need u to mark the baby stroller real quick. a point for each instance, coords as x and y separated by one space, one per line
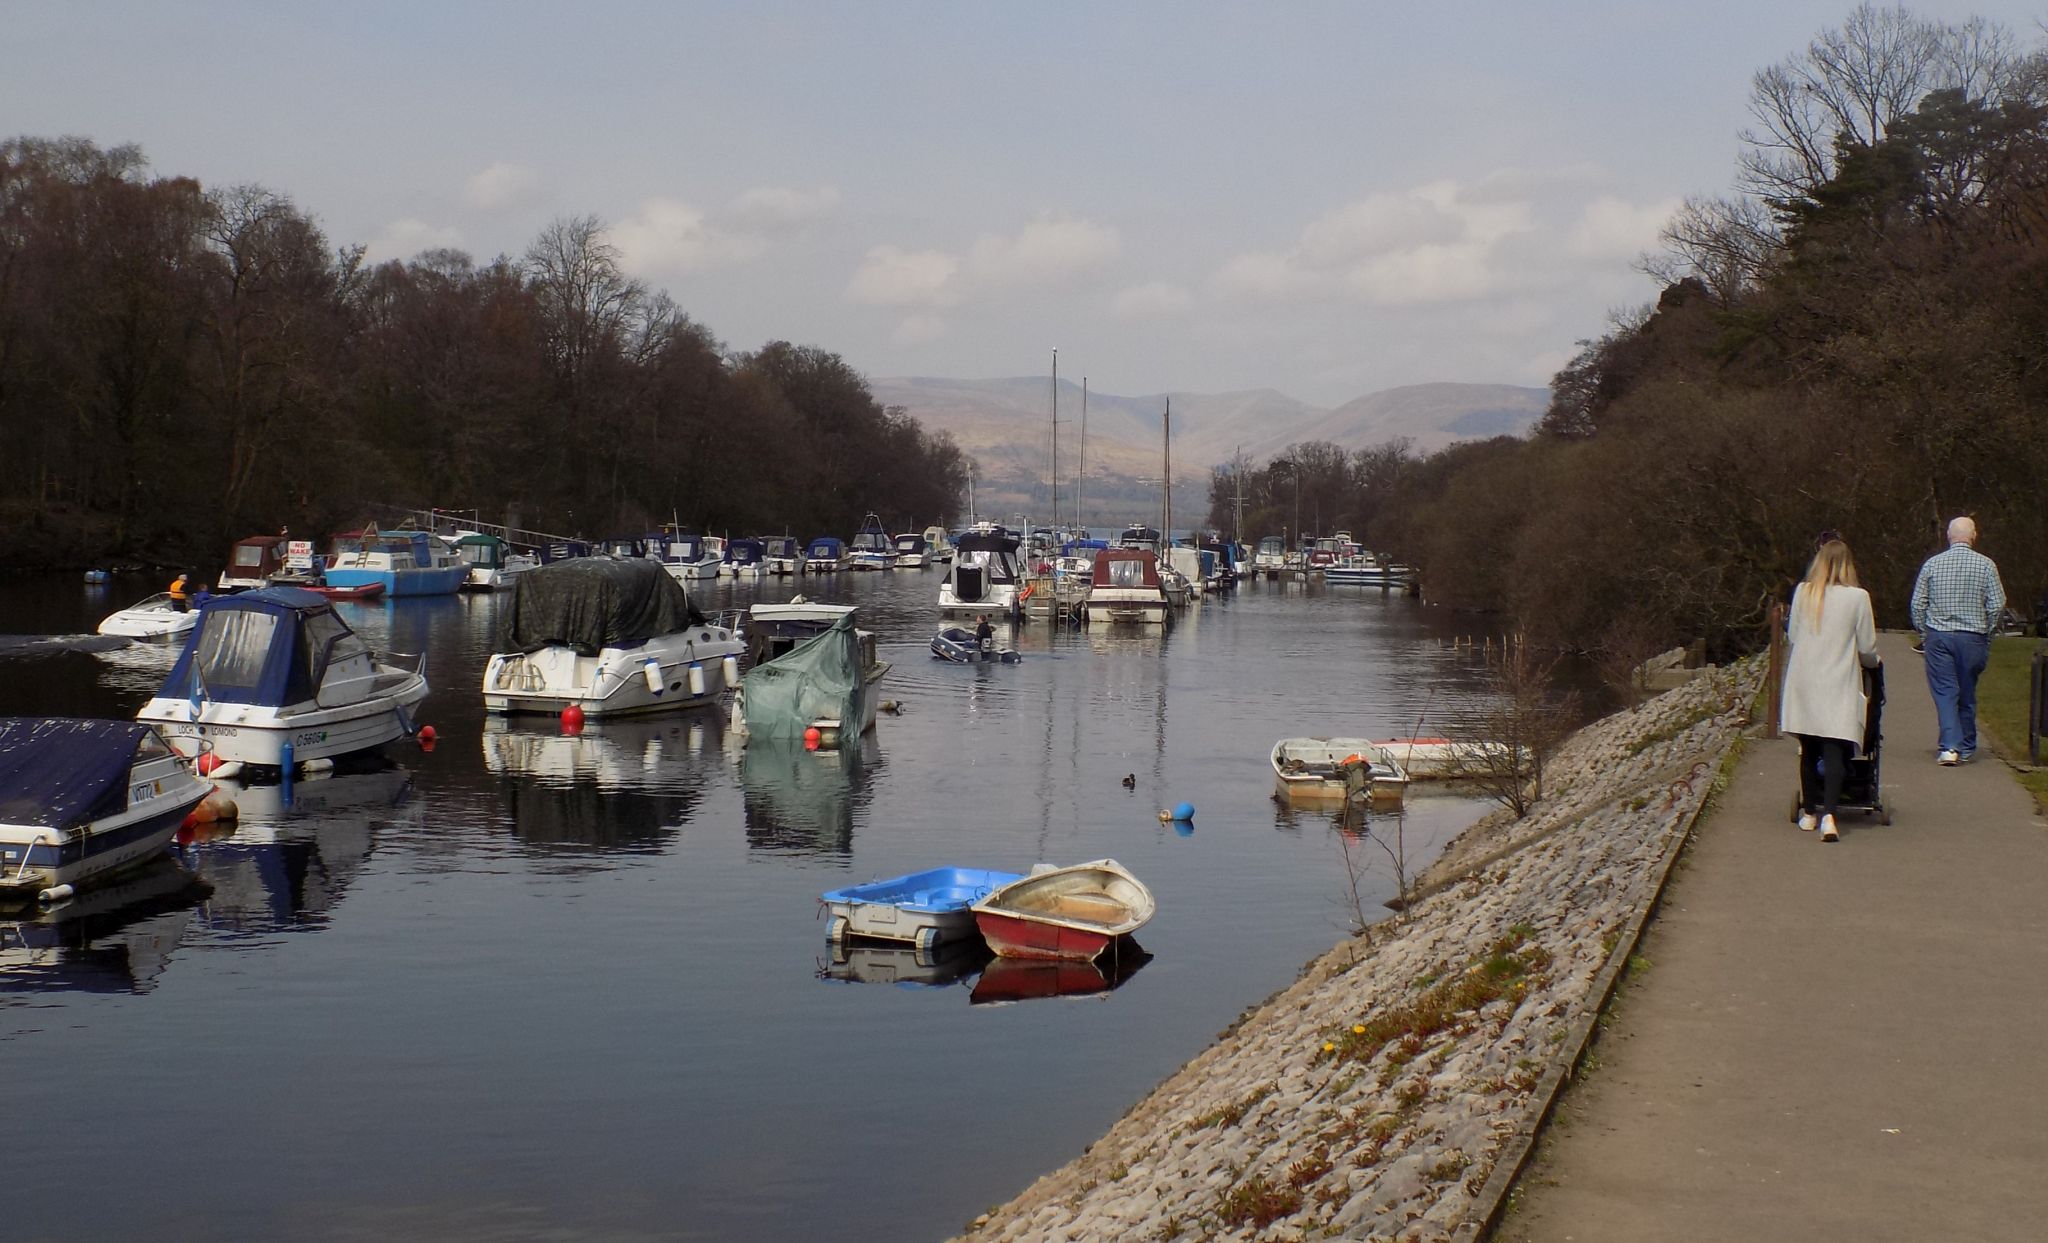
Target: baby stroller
1861 791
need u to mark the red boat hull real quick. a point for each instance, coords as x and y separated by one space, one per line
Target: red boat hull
1015 937
368 591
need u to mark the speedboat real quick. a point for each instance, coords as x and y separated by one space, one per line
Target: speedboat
924 908
825 555
609 636
1187 563
1126 587
808 667
1138 535
940 542
493 565
274 677
958 644
81 799
744 558
1271 558
1072 912
408 563
986 575
158 619
688 557
871 549
1336 770
781 555
913 551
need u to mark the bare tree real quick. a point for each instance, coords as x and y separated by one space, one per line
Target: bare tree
1503 751
1728 244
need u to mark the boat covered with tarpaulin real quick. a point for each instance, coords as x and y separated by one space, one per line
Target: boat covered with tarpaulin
826 681
81 798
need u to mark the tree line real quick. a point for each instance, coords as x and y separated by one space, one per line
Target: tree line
181 366
1854 339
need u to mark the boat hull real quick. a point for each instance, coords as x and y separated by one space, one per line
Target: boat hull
1013 936
1065 913
435 581
150 625
33 859
258 735
613 683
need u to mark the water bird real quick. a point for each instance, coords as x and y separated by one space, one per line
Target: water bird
891 706
1130 781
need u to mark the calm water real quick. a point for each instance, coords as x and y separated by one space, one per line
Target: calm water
528 986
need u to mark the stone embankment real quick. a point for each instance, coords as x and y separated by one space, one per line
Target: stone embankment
1377 1096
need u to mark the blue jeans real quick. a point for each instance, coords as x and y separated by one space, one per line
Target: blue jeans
1955 659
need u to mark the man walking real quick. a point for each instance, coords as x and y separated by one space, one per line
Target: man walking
1956 603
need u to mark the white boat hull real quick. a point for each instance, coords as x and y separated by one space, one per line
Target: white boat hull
692 672
256 734
150 623
1305 770
160 795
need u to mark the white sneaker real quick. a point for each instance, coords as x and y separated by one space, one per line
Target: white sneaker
1948 759
1827 829
1807 822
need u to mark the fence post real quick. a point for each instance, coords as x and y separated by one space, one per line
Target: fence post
2037 705
1774 677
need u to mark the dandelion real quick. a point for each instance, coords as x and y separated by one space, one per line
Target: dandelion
1358 1029
1328 1047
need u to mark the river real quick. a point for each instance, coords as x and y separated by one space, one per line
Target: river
533 986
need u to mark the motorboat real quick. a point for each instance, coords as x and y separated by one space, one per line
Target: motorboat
1126 587
925 908
251 562
82 799
493 564
1187 563
781 555
1336 770
1446 759
871 548
958 644
1076 562
408 563
610 636
274 677
1138 535
159 619
688 556
1071 912
825 555
986 575
940 542
808 667
563 550
913 551
744 558
1271 558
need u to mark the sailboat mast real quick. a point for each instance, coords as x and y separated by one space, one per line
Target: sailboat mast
1055 438
1166 427
1081 476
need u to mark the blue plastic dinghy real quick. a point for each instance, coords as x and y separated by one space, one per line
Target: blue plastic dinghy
923 908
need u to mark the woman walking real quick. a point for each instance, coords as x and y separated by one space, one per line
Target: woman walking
1833 638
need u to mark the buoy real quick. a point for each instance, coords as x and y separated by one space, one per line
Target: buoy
427 737
572 719
206 763
812 738
1184 811
218 806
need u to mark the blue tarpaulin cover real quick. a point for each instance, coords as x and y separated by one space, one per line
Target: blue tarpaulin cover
61 772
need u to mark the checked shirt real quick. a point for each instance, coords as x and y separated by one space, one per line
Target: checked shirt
1958 590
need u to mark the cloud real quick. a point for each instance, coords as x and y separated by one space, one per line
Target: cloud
1153 300
919 329
894 277
670 236
402 239
1051 249
771 209
1613 228
500 186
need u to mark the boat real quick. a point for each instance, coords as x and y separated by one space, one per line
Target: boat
1076 562
825 555
1446 759
157 619
610 636
808 667
368 591
274 677
563 550
986 575
688 557
82 799
408 563
744 558
1138 535
781 555
958 644
871 548
1187 563
940 542
913 551
1006 980
1271 558
97 578
1126 587
1071 912
1336 770
493 564
924 908
252 561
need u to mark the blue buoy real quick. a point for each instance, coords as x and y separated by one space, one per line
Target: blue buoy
1184 811
1185 828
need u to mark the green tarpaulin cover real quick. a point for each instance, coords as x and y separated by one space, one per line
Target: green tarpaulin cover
819 679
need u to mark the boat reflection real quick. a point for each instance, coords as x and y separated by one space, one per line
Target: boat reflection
903 965
804 802
625 786
1027 979
289 858
115 937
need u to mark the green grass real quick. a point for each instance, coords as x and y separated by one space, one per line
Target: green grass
2002 708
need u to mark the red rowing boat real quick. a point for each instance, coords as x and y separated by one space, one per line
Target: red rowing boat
1072 912
368 591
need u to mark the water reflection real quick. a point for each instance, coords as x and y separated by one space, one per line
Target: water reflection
1022 979
622 787
137 668
804 802
290 858
116 937
949 962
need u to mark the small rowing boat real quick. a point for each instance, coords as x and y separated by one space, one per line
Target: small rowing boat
1335 769
1072 912
923 908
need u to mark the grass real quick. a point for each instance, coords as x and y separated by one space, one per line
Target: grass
1257 1202
2002 702
1234 1112
1508 968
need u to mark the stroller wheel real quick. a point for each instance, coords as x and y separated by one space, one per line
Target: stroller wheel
1884 813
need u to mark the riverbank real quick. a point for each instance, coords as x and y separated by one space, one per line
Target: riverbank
1392 1090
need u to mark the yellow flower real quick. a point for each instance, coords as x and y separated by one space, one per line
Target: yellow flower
1328 1047
1358 1029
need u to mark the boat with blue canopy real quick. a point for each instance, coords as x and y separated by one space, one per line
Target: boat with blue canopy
825 555
80 799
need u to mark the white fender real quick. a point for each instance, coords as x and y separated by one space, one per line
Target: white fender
696 678
652 672
730 668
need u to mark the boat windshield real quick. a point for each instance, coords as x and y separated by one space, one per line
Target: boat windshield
328 641
248 555
480 554
1127 573
233 648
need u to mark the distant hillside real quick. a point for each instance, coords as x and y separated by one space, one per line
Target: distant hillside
1004 426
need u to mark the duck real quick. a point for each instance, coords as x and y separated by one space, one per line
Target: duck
1130 781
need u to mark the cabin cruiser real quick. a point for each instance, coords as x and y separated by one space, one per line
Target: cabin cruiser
781 555
1076 563
252 561
493 565
986 575
913 551
407 563
689 557
1271 558
80 799
274 677
744 558
1126 587
940 542
1186 564
871 548
825 555
808 667
158 619
609 636
1140 536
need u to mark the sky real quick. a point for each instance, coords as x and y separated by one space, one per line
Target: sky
1327 199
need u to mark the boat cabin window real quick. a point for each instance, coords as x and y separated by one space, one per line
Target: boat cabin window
248 555
233 646
328 641
480 554
1127 573
152 746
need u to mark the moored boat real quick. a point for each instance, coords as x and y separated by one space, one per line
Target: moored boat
958 644
1336 769
744 558
781 555
407 563
924 908
493 564
1446 759
809 667
82 799
825 555
1071 912
689 557
368 591
913 551
252 561
940 542
1126 586
871 548
159 619
986 575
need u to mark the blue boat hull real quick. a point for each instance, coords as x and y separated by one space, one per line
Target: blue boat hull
925 908
438 581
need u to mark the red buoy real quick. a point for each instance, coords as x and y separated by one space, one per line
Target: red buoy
572 719
812 738
426 737
206 763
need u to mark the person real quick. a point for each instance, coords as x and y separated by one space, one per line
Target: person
1833 637
181 591
1957 601
985 637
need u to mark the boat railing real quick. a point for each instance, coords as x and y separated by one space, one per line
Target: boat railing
28 849
729 619
408 662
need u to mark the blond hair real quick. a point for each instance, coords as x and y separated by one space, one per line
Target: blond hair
1831 565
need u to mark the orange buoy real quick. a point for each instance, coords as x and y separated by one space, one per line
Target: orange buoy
206 763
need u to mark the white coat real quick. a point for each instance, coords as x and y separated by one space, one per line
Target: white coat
1824 674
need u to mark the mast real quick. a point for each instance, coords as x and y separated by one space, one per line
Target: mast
1166 526
1055 439
1081 476
970 492
1237 475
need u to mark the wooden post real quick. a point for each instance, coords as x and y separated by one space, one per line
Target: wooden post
1774 676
